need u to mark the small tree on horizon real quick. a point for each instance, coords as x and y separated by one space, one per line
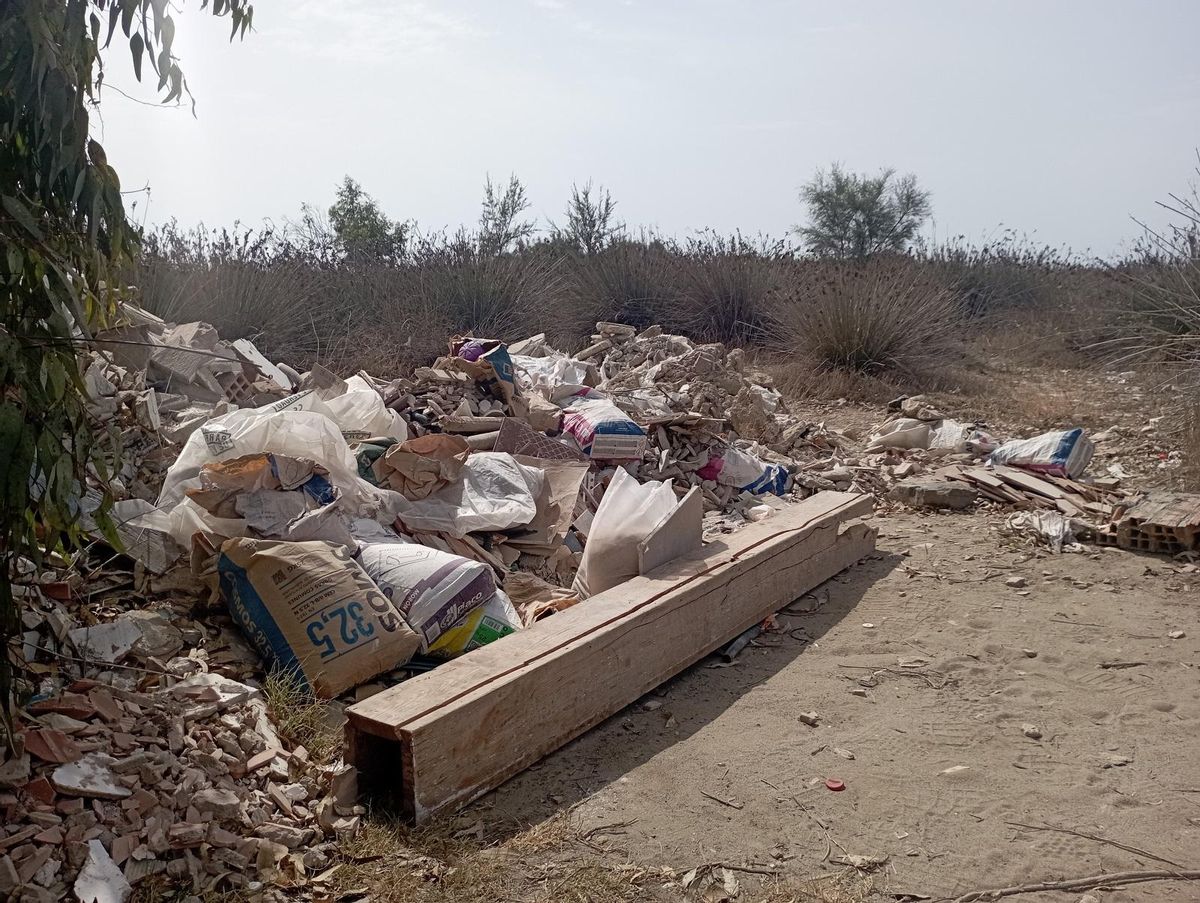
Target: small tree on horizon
362 229
590 227
852 216
500 226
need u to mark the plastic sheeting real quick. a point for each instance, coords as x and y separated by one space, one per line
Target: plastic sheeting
495 492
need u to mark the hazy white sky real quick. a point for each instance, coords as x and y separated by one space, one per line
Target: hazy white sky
1058 119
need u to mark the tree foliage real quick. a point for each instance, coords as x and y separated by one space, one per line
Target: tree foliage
852 216
500 225
64 239
362 229
590 226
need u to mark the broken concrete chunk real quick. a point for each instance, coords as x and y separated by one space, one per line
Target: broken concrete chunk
92 776
933 494
100 881
214 688
222 803
15 772
106 642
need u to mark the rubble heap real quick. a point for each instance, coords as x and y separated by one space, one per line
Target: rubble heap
147 752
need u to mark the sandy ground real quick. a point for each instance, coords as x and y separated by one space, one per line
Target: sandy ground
924 668
955 665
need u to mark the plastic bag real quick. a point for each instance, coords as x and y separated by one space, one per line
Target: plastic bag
360 413
903 432
305 435
742 470
553 377
627 514
603 431
494 492
432 589
1064 453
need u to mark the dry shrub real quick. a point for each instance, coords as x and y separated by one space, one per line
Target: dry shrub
884 315
725 288
627 282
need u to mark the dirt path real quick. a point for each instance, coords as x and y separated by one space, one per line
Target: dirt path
930 701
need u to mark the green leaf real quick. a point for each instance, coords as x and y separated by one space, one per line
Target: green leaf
136 46
21 214
128 8
17 453
114 13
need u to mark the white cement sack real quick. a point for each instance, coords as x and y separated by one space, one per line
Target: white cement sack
433 590
627 514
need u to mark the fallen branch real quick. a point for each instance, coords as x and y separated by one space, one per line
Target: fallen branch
1113 879
723 802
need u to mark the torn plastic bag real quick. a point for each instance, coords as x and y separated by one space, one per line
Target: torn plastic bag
494 619
601 429
903 432
309 608
627 514
361 413
743 470
553 377
1065 453
494 492
303 435
433 590
489 365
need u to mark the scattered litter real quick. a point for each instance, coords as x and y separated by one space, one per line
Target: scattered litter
835 784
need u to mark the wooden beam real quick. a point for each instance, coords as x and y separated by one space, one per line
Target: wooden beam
444 738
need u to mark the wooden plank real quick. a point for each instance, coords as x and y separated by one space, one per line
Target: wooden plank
449 736
678 533
1029 482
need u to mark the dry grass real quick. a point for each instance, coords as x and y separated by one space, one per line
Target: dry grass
300 718
462 860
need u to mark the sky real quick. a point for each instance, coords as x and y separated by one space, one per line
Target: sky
1060 120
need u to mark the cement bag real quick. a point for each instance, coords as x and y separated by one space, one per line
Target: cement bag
309 608
904 432
486 624
742 470
627 514
305 435
432 589
1065 453
361 413
553 377
494 492
602 430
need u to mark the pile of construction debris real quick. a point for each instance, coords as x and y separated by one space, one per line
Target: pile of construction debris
354 532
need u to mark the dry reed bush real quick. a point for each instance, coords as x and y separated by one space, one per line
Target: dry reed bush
725 288
629 281
883 315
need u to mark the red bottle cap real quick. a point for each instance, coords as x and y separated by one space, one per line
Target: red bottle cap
835 785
